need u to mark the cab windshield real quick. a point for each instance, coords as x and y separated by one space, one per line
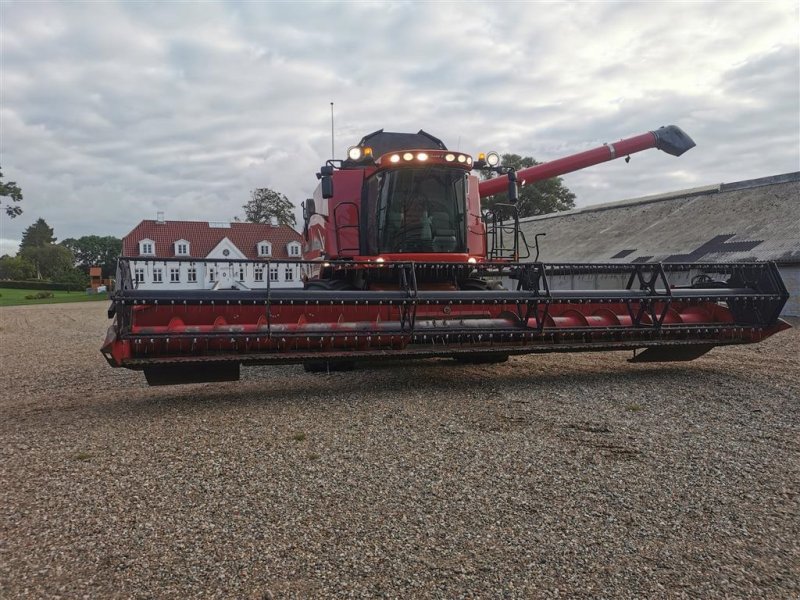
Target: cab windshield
416 210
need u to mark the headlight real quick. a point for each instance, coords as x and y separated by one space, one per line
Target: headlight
354 153
395 158
493 159
408 156
449 157
461 158
472 260
422 156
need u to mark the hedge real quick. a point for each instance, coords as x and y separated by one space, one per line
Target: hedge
40 285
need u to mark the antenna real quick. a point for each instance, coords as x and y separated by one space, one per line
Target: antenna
333 152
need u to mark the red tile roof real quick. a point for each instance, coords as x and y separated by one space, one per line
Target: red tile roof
203 238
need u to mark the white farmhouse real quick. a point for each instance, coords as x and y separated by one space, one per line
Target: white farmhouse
202 255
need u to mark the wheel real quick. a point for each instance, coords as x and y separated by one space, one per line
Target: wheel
474 284
329 285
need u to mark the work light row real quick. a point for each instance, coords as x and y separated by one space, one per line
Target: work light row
358 153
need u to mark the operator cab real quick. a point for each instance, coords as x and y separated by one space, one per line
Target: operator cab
415 210
400 197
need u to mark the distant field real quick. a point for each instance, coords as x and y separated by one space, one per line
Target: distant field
12 297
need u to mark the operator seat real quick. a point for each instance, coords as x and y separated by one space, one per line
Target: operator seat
444 235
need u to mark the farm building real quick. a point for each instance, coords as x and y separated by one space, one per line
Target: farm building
754 220
209 255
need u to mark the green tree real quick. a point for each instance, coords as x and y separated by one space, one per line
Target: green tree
10 190
38 234
16 267
539 198
95 250
51 260
77 277
265 204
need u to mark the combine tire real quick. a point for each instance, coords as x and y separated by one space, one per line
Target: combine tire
480 285
329 285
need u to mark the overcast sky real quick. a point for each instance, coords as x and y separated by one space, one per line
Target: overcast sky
111 112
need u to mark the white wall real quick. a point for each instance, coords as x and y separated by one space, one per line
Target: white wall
227 274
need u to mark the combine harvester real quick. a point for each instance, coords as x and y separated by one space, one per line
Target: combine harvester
401 262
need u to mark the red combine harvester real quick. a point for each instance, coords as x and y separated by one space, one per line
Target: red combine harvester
400 262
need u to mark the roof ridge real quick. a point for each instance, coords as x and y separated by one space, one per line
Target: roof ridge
679 194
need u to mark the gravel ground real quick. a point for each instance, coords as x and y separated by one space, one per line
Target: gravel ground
557 476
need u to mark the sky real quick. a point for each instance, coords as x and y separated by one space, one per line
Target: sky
113 111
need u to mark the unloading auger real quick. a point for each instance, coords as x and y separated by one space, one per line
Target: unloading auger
400 262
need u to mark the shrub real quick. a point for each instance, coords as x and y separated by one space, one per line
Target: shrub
40 285
39 296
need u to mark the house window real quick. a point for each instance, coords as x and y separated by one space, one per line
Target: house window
264 249
289 274
174 275
294 250
212 274
273 273
139 275
182 249
191 275
259 274
158 276
241 273
147 247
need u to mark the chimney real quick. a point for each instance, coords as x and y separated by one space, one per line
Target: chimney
273 221
160 218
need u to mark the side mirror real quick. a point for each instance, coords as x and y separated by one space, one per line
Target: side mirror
309 209
325 176
327 186
513 193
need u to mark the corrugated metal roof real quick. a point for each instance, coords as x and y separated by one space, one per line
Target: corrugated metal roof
758 219
203 237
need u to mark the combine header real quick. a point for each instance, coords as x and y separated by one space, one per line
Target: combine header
400 262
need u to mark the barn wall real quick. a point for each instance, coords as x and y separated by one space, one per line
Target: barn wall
791 278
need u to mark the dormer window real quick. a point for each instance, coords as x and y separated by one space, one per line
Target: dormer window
147 247
264 249
181 248
294 249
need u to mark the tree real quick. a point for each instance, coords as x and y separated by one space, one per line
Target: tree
51 260
539 198
16 267
38 234
265 204
10 190
95 250
76 277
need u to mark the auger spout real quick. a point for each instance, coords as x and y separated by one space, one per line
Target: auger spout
671 139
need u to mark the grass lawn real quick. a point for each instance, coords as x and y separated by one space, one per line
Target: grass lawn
12 297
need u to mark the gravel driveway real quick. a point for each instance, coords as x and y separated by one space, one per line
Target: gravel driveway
552 476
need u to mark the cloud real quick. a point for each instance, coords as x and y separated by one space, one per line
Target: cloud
114 111
8 246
